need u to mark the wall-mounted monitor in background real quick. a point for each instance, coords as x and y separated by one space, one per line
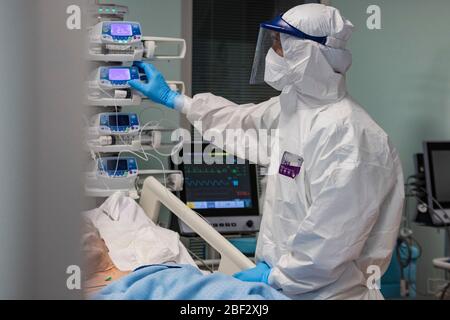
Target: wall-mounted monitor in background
437 172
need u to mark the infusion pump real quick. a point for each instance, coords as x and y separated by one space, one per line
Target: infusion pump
116 77
117 32
108 175
116 41
108 86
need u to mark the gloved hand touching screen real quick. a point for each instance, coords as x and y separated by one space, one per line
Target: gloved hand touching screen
156 87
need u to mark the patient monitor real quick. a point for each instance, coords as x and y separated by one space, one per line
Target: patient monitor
225 194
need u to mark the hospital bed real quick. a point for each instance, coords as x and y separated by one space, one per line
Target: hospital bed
154 194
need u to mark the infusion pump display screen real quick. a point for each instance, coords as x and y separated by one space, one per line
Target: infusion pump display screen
121 29
115 167
121 165
119 120
119 74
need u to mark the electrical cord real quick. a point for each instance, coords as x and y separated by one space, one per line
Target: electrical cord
446 227
420 186
406 242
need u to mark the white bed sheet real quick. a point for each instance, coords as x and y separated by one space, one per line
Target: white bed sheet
133 240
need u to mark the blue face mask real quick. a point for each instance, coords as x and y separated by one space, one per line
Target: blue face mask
276 71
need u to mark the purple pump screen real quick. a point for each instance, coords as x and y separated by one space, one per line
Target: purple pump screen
120 29
119 74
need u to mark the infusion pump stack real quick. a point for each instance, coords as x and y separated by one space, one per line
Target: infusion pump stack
119 140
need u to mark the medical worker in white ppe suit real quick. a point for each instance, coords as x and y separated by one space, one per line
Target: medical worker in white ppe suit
333 207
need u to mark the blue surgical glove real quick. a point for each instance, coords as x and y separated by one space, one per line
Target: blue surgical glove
156 88
260 273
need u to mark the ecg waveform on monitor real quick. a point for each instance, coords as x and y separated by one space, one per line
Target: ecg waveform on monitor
208 183
217 183
235 171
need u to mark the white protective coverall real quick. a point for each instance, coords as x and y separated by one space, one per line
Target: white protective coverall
324 232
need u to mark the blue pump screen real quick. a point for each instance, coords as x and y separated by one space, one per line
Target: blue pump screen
119 120
122 165
122 74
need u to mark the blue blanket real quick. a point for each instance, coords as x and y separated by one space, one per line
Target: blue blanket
184 282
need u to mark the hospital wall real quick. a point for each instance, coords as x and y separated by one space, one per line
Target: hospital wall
401 75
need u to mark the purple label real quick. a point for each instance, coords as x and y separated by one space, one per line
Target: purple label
291 165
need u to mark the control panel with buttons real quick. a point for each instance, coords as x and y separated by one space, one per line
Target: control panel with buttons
229 225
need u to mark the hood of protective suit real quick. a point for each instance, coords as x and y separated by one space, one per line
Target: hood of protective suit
316 71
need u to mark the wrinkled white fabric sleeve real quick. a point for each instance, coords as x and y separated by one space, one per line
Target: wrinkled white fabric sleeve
247 131
347 188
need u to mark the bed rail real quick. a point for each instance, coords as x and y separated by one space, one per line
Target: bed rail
154 194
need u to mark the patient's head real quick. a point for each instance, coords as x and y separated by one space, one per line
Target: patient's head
94 250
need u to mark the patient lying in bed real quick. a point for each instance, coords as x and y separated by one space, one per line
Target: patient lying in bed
129 257
118 238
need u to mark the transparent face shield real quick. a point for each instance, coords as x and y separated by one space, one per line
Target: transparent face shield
267 39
